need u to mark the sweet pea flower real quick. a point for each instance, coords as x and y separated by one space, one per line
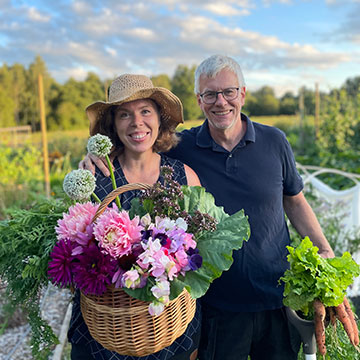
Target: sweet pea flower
161 290
131 279
156 308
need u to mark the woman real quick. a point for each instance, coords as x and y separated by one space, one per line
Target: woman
140 120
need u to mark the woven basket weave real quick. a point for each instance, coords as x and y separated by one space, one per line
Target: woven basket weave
123 324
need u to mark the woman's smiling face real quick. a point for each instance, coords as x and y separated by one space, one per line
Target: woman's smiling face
137 125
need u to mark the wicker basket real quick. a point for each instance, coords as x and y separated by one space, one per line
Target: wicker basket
123 324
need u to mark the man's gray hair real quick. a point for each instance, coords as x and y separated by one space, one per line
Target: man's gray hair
211 66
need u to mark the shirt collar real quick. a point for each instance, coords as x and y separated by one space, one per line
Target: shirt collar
204 139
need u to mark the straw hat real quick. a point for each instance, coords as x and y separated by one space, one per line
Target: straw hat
129 87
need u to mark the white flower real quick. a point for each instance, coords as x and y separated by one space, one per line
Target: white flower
161 290
156 308
181 223
79 184
145 220
165 224
99 145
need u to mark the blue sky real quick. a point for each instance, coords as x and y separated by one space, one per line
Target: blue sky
282 43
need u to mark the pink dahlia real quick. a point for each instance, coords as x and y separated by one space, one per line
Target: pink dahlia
76 221
93 271
116 233
60 265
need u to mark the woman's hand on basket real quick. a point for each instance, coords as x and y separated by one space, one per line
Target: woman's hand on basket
89 162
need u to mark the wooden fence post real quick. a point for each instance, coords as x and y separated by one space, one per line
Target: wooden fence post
317 110
44 136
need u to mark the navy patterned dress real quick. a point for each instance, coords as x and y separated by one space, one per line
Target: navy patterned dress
78 331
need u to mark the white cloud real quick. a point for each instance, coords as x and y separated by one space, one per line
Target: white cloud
112 52
37 16
141 33
225 9
81 7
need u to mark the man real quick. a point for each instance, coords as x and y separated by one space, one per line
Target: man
247 166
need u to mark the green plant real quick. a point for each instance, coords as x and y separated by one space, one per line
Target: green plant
30 232
331 217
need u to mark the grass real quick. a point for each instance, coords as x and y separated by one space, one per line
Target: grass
276 120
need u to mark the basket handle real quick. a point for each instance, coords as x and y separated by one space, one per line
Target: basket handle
112 195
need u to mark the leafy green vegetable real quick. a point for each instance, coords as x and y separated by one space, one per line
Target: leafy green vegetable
312 277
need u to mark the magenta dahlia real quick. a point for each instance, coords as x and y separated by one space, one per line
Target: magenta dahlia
93 271
60 265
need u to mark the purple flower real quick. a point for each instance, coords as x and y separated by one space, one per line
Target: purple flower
83 238
192 251
162 237
93 271
60 265
145 235
195 261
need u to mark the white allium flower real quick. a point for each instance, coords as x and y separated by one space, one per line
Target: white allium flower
99 145
79 184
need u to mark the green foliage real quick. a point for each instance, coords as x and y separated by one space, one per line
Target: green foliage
7 108
267 103
312 277
338 345
288 104
161 80
182 85
26 240
330 217
339 117
20 165
22 180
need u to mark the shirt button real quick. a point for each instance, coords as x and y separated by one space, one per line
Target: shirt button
230 156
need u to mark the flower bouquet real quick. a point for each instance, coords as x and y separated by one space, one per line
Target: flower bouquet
150 262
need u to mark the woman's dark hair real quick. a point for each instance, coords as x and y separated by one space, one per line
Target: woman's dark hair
166 139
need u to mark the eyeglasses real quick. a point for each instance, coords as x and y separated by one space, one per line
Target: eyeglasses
210 97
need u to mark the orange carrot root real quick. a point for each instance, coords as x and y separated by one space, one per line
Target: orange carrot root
344 318
353 321
319 321
332 316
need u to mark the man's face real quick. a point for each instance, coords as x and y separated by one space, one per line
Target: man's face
223 114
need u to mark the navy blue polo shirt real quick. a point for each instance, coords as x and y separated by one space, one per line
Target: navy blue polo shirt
254 176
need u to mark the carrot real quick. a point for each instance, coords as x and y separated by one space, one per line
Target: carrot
332 315
319 322
353 321
343 317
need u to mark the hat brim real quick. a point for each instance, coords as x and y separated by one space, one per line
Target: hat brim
171 108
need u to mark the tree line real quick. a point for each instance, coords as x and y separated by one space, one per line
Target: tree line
65 103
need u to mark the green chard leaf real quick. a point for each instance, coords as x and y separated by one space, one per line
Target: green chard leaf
311 277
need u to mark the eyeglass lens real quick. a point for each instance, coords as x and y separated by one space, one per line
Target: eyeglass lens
210 97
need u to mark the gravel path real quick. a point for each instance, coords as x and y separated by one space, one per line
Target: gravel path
14 342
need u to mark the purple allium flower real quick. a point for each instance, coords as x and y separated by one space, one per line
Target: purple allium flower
93 271
60 265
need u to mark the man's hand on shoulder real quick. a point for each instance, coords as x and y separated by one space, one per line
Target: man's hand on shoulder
89 162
